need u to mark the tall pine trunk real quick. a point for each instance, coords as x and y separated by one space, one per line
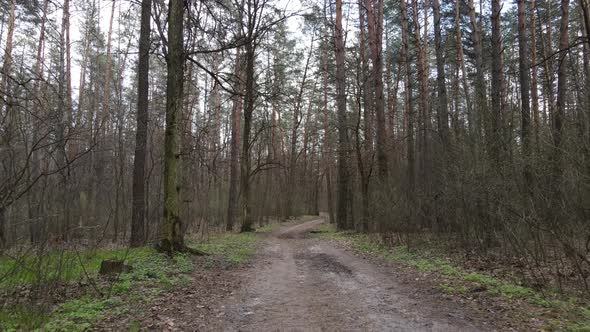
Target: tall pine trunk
481 100
525 107
171 230
442 102
374 10
343 146
245 166
561 98
234 177
534 84
495 138
138 236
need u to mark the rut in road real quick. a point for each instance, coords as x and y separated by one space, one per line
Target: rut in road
306 284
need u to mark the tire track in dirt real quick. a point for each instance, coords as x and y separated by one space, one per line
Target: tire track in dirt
304 284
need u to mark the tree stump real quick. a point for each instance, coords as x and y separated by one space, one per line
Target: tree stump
114 266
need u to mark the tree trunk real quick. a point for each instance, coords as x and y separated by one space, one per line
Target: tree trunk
495 139
442 102
523 63
138 236
375 28
408 114
234 177
68 62
461 64
327 155
343 146
561 95
7 65
64 106
82 83
107 76
548 72
245 160
481 100
171 231
368 101
423 100
534 84
366 104
35 204
586 16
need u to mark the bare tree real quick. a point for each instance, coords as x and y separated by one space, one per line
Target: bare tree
138 236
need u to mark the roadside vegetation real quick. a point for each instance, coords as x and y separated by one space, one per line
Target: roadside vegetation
84 297
555 310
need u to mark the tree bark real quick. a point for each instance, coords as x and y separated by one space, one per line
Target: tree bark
343 145
424 98
107 79
461 64
374 10
548 72
234 177
327 155
442 102
138 236
561 95
7 64
534 84
408 114
481 100
368 101
495 139
171 230
525 107
366 104
35 204
586 16
245 166
68 62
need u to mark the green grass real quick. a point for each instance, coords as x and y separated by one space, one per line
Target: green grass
79 314
152 274
268 228
63 266
451 289
154 271
22 318
578 316
235 247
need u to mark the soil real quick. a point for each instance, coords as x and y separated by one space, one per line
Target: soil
300 283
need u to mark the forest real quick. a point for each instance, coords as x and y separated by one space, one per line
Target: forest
179 142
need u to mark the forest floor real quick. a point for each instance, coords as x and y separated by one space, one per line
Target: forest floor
304 276
301 283
295 276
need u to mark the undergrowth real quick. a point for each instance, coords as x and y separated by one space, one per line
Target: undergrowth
568 314
236 248
60 265
268 228
152 273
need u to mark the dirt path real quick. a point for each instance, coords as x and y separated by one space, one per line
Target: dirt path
300 283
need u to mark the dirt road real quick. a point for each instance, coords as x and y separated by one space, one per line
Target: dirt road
300 283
